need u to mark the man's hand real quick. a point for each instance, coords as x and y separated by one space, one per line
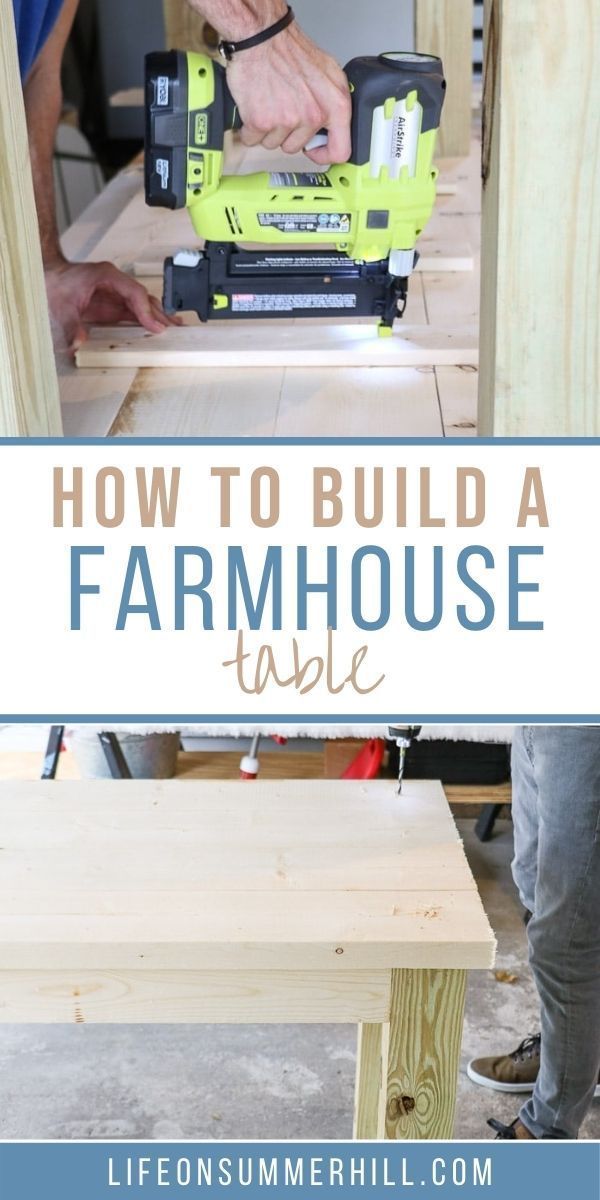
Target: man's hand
97 294
287 90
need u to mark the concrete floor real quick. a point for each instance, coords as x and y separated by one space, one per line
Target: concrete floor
219 1082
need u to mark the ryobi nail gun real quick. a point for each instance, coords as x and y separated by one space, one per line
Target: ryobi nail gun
353 228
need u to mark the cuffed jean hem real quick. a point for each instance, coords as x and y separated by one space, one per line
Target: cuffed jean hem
541 1131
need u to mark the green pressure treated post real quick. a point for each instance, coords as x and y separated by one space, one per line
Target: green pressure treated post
29 400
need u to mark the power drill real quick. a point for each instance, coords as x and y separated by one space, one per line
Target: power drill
353 228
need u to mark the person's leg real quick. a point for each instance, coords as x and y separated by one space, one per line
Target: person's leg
564 932
517 1071
524 815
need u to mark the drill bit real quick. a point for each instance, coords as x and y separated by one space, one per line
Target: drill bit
403 736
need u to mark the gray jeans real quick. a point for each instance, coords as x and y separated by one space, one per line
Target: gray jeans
556 813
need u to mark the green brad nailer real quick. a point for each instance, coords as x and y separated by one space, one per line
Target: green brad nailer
330 243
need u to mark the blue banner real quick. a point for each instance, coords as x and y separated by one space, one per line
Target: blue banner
153 1170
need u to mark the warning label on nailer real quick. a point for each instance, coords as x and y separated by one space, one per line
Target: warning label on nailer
310 179
334 223
249 303
307 262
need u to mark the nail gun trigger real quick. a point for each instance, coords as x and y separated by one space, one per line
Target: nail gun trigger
320 139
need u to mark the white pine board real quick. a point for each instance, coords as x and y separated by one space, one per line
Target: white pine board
332 402
452 299
91 400
177 997
132 97
457 390
183 402
357 402
463 175
328 874
78 242
337 931
250 345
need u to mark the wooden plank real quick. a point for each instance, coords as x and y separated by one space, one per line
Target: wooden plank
178 402
463 175
478 793
445 27
431 865
303 867
310 931
29 403
370 1091
184 27
426 1021
457 391
338 753
278 764
456 297
228 997
273 845
352 402
79 241
191 764
132 97
540 371
27 765
334 876
452 299
136 225
251 345
444 256
335 402
92 400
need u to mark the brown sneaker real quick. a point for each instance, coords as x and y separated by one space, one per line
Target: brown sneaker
517 1132
516 1072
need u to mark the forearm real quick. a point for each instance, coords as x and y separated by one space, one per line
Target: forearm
43 103
286 88
237 19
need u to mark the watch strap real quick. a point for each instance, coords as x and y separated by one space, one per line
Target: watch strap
228 49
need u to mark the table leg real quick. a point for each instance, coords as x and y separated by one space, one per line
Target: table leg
371 1075
425 1035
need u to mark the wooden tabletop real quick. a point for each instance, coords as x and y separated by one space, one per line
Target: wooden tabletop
289 876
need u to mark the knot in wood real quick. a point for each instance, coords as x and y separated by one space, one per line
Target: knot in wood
400 1106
